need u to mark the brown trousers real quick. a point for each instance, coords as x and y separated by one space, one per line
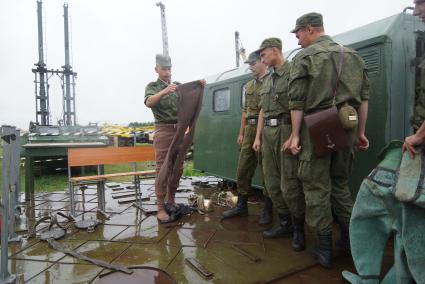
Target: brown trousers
164 134
178 140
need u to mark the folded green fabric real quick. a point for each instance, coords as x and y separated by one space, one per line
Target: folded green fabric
410 180
376 216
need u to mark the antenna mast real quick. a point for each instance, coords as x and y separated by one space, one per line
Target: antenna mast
69 116
237 48
42 75
164 29
240 50
41 94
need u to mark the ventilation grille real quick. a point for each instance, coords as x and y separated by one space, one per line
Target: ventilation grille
372 60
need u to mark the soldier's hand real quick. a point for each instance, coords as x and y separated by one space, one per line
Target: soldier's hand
257 145
362 143
240 140
295 147
170 89
286 145
409 145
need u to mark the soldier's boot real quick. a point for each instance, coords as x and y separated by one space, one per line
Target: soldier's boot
323 253
266 216
241 208
298 241
283 229
343 244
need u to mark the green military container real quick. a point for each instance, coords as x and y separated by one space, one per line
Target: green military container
390 47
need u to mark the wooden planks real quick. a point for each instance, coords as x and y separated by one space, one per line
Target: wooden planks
109 155
106 176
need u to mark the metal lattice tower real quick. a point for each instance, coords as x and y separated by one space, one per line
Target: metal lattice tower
68 94
67 77
41 93
164 29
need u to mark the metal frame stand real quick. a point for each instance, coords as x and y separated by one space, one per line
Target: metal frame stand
10 184
137 191
15 182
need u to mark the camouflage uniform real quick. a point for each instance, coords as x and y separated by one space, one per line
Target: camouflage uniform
312 81
248 158
419 111
280 169
378 212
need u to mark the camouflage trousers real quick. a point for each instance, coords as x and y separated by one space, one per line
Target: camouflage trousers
248 161
325 184
280 172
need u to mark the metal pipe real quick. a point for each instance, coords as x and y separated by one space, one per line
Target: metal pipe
5 276
237 48
43 112
408 8
68 113
18 166
14 176
164 29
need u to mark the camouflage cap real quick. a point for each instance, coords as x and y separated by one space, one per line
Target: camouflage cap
270 42
253 57
163 60
312 19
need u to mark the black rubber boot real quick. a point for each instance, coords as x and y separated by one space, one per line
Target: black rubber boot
298 241
241 208
323 253
284 229
343 244
266 216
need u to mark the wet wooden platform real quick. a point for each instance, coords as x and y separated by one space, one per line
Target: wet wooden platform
232 250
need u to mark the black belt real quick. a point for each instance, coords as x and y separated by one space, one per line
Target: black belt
252 121
275 121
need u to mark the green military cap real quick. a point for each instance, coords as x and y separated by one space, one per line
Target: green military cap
312 19
270 42
163 60
253 57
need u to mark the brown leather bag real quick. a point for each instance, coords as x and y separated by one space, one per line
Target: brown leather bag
324 126
326 131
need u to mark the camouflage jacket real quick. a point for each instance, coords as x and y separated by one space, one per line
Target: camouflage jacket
252 97
313 77
166 110
419 111
274 93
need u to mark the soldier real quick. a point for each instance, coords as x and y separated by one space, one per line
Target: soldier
312 82
274 127
418 138
161 98
248 157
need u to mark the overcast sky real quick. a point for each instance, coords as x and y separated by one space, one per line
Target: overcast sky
114 45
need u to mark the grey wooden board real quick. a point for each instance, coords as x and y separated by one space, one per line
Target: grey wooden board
131 199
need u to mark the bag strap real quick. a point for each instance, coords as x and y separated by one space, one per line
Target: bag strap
341 61
274 96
